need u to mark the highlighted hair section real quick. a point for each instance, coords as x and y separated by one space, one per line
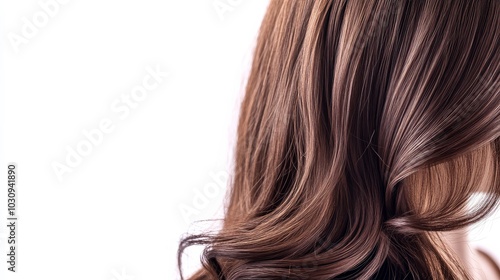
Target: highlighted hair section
365 128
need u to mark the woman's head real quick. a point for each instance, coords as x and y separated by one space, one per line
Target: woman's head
365 128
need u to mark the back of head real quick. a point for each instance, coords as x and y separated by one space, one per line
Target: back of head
365 128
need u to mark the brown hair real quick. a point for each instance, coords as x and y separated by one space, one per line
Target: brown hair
365 128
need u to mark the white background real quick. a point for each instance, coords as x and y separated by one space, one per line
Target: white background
119 213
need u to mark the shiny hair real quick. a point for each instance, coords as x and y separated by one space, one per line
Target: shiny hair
365 128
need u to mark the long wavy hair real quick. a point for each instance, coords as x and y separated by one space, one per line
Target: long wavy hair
365 128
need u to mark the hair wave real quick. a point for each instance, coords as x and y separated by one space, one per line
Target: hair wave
365 128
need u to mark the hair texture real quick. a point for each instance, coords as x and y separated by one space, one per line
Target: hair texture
365 128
